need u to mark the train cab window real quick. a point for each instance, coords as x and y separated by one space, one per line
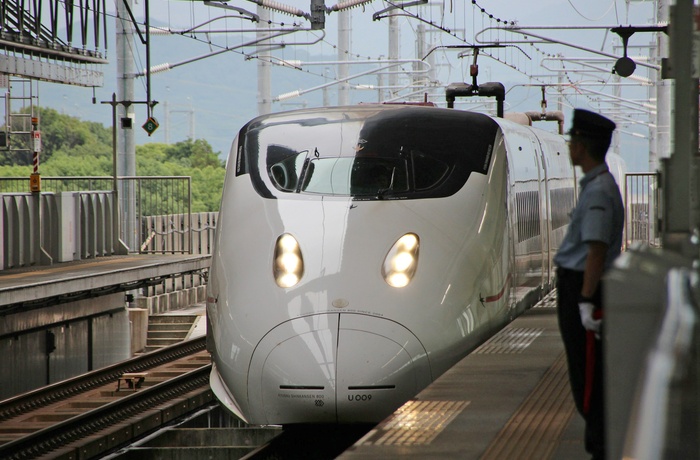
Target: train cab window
339 175
367 153
372 176
285 174
429 171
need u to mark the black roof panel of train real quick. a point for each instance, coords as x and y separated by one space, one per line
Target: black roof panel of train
417 152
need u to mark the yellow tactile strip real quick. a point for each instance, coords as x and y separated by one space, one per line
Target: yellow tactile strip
510 340
534 429
415 423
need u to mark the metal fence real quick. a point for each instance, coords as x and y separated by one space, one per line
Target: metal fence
58 184
153 216
642 206
167 199
193 233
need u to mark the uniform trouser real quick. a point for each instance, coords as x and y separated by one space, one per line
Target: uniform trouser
569 283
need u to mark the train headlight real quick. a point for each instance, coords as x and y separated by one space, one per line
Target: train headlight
287 265
401 261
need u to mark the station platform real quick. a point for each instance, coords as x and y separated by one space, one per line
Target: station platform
30 285
509 399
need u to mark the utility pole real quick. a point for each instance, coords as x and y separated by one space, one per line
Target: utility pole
343 55
662 147
126 156
421 51
393 51
617 92
380 86
681 223
264 70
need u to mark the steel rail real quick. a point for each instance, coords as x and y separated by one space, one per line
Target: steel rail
50 394
89 423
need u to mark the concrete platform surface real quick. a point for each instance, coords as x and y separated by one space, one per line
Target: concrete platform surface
509 399
29 284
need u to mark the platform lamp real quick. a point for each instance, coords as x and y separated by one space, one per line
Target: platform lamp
625 66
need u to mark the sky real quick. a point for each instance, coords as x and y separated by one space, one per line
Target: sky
213 97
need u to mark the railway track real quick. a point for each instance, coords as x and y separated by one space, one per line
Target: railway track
87 417
92 414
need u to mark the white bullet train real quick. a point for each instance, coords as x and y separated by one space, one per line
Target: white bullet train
362 251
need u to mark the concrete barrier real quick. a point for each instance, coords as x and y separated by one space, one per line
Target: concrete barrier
138 318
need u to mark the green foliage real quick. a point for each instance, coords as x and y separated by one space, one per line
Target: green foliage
71 147
151 160
59 132
194 154
176 160
65 164
187 158
207 185
15 171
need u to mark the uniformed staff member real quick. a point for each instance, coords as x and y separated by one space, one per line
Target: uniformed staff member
592 242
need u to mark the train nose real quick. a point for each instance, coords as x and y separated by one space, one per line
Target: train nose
381 364
335 369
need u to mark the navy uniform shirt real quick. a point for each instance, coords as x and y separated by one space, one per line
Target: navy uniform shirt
598 216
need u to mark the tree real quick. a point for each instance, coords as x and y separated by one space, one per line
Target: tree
196 154
208 184
151 160
187 158
63 163
59 132
71 147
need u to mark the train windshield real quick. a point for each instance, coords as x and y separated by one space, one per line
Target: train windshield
379 153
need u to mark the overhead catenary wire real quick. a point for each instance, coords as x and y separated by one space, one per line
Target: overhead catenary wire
295 11
510 58
612 4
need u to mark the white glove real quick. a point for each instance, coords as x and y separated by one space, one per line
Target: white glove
586 311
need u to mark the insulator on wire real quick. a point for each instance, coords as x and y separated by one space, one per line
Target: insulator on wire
289 95
158 31
347 4
282 8
294 63
158 68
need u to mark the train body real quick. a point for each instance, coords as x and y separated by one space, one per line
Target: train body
362 251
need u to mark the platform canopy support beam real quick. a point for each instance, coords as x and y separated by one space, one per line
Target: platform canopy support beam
62 42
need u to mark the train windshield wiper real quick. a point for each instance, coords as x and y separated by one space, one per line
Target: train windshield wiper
307 171
381 193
